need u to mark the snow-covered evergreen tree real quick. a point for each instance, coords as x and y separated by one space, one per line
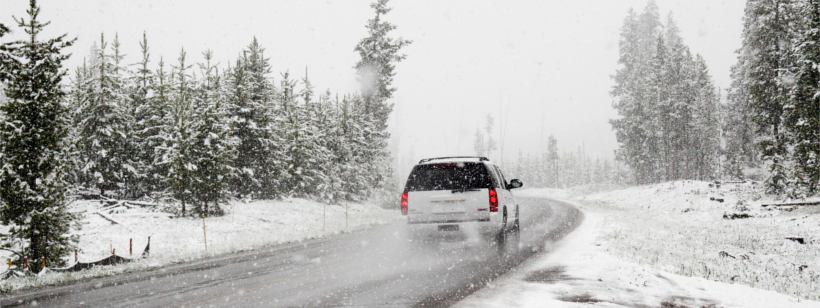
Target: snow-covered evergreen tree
552 171
802 111
155 121
739 129
131 184
634 129
667 125
213 148
179 139
479 144
144 119
103 127
379 54
310 148
33 184
768 66
251 97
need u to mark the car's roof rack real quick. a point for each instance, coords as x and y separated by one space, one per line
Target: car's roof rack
480 158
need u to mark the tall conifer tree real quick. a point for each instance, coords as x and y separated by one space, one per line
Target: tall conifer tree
768 66
379 55
802 112
33 184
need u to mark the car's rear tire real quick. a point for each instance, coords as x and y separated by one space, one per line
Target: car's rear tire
508 238
501 236
515 236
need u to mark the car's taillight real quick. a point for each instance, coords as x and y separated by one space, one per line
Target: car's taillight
404 203
493 200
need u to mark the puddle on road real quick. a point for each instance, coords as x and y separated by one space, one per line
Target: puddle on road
582 298
550 275
688 302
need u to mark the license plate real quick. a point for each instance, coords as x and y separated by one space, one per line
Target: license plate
448 228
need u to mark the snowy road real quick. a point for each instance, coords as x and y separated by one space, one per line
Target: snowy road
374 267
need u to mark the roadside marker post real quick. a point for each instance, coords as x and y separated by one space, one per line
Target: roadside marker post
26 259
44 262
9 262
131 246
204 234
75 255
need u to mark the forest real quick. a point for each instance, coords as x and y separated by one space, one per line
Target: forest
673 124
186 134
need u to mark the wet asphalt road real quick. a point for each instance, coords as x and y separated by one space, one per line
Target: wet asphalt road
377 267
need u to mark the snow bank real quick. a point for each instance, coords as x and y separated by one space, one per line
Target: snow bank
245 226
669 245
675 227
578 272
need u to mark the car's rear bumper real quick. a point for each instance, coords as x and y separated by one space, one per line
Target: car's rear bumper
466 228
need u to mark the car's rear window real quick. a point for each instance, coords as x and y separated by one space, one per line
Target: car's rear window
448 176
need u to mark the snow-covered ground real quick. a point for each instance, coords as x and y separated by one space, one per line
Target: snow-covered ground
668 245
245 226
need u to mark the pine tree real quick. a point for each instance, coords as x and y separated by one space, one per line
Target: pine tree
143 128
490 145
79 97
479 145
637 126
379 55
705 125
325 123
294 127
802 112
313 152
739 128
180 138
5 59
667 126
552 162
33 185
131 175
768 69
213 148
103 128
156 120
251 97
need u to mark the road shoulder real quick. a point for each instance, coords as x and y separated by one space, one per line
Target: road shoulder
577 272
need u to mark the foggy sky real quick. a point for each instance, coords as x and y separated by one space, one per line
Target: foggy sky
526 62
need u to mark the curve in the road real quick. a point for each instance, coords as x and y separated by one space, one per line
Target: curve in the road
376 267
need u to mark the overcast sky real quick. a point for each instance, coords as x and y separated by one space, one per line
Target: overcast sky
533 63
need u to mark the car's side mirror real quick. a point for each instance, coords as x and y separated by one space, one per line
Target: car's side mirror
515 183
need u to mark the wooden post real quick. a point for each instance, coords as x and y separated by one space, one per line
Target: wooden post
75 255
131 246
44 262
26 259
204 234
9 262
114 251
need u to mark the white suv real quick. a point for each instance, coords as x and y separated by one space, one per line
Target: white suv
467 195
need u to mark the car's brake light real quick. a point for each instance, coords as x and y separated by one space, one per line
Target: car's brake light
493 200
404 203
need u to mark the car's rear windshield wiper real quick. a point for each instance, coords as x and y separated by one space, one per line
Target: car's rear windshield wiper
463 190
